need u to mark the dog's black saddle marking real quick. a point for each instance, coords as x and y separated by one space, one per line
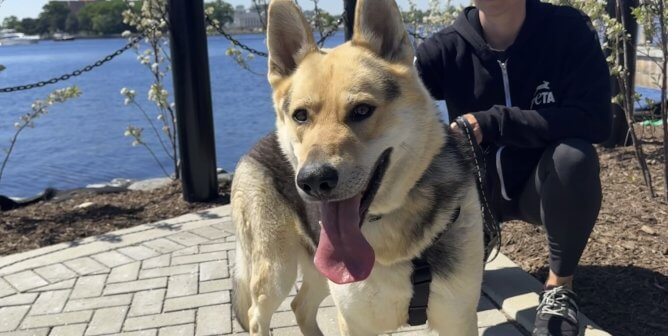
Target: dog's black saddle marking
421 279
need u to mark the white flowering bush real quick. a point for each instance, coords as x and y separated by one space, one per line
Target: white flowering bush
38 109
151 21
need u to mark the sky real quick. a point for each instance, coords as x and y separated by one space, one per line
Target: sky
31 8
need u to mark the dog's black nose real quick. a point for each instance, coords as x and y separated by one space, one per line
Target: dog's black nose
317 180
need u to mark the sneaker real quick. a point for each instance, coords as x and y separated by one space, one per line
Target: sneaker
557 313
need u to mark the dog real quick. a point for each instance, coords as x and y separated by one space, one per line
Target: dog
360 177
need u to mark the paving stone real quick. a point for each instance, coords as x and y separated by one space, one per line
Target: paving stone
187 238
213 270
106 321
186 251
213 247
160 320
283 319
145 332
5 288
85 265
55 273
198 258
215 285
199 300
138 252
26 280
50 302
124 273
505 329
10 317
491 317
231 239
98 302
69 330
135 286
209 233
226 226
67 284
214 320
182 330
163 245
167 271
288 331
88 286
18 299
31 332
159 261
180 285
56 319
147 302
112 258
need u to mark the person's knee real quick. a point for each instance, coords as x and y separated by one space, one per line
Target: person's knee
575 159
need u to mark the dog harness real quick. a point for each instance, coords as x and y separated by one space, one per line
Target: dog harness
421 279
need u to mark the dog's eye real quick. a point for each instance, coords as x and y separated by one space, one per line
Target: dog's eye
361 112
300 116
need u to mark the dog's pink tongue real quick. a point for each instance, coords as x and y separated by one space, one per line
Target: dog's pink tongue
343 255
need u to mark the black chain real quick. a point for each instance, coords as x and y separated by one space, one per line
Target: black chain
256 52
77 72
234 41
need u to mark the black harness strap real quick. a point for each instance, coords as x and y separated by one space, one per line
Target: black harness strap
421 279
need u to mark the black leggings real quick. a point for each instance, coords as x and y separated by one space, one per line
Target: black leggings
563 195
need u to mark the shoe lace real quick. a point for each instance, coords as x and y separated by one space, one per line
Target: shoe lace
558 302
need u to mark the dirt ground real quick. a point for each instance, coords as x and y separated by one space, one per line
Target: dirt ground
622 281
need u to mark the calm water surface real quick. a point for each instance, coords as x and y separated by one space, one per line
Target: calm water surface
82 142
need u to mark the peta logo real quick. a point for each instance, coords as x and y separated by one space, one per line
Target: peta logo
543 95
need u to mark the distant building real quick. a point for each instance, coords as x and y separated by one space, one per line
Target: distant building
246 19
75 6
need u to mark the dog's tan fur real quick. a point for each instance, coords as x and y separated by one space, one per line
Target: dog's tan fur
273 241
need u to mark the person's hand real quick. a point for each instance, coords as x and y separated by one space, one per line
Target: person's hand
477 132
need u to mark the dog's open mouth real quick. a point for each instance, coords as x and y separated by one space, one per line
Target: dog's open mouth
343 255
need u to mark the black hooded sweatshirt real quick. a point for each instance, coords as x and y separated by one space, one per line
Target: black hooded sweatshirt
553 83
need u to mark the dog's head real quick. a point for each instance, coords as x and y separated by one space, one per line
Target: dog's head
355 121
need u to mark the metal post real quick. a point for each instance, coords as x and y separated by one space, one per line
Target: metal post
349 18
192 93
620 128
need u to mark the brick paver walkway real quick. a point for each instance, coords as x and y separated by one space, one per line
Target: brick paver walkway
168 278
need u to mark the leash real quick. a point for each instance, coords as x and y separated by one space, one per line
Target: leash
422 275
491 227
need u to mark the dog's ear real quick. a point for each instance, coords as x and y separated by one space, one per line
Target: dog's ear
289 39
379 28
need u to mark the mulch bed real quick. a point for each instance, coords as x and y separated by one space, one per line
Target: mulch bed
622 281
58 221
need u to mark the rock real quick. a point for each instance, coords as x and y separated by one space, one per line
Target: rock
648 230
84 205
629 245
150 184
121 182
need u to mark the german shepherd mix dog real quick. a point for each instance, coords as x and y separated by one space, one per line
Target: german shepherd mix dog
360 177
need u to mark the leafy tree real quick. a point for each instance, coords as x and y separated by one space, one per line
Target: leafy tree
72 24
53 17
103 17
11 22
30 26
221 11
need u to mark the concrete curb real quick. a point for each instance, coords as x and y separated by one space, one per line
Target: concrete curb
516 292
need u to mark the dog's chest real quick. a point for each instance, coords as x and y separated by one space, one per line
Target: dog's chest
379 303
